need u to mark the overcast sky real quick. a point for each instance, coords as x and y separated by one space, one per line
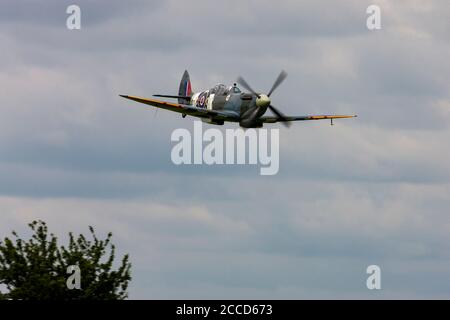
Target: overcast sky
370 190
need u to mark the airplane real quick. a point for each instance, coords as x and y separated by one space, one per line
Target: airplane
222 104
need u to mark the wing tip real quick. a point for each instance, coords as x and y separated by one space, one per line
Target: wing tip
346 116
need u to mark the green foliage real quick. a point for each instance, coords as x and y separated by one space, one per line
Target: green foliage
37 269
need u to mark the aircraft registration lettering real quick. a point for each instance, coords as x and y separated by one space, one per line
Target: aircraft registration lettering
202 100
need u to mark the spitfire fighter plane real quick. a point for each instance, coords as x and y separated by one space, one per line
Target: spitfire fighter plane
228 103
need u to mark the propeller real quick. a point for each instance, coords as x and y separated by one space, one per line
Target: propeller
264 100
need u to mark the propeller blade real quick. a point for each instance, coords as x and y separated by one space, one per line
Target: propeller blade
244 84
280 116
277 82
250 115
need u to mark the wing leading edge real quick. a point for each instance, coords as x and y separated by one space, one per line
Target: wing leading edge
186 109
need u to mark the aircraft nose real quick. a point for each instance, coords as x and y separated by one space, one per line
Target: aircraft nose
263 101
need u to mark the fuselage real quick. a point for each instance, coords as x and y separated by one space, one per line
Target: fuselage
232 99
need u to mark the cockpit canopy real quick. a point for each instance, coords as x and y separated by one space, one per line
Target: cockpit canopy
221 89
218 89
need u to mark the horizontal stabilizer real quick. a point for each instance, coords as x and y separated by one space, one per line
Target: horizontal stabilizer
170 96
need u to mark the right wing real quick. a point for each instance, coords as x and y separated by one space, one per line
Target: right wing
186 109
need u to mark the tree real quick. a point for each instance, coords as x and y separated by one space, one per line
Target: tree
40 269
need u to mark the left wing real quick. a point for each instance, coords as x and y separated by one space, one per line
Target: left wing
303 118
187 109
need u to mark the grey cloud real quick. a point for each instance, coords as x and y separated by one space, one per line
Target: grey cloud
53 12
266 255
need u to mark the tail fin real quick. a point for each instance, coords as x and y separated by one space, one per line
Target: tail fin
185 89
